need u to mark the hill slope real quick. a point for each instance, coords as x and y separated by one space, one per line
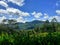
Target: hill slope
30 25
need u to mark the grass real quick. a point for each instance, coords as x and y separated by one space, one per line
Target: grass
25 38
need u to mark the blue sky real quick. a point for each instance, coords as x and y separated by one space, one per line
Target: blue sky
28 10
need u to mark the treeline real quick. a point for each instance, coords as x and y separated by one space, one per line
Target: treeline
52 26
12 25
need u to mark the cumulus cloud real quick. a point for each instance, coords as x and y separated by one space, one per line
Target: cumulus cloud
57 17
46 15
58 12
25 14
17 12
2 11
37 15
2 3
17 2
20 19
13 11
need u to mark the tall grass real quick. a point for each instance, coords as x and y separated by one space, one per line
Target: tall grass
25 38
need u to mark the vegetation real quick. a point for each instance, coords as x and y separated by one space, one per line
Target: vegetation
47 34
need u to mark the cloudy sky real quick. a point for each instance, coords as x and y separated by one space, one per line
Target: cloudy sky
28 10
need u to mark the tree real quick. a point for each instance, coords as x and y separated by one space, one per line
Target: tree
12 21
4 21
11 24
37 29
54 24
46 26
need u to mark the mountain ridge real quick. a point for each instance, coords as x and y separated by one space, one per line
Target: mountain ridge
30 25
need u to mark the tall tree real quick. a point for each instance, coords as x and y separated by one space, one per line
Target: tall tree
10 23
4 21
54 24
46 25
37 29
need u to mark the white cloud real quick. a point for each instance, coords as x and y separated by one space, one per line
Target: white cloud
20 19
2 11
25 14
17 2
2 18
46 15
13 11
2 3
58 12
17 12
37 15
57 17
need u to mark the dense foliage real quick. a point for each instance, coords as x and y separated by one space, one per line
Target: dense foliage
30 38
47 34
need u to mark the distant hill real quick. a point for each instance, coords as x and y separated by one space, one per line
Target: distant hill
27 25
30 25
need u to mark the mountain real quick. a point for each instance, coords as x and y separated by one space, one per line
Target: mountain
30 25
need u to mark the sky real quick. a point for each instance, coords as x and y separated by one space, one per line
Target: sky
29 10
